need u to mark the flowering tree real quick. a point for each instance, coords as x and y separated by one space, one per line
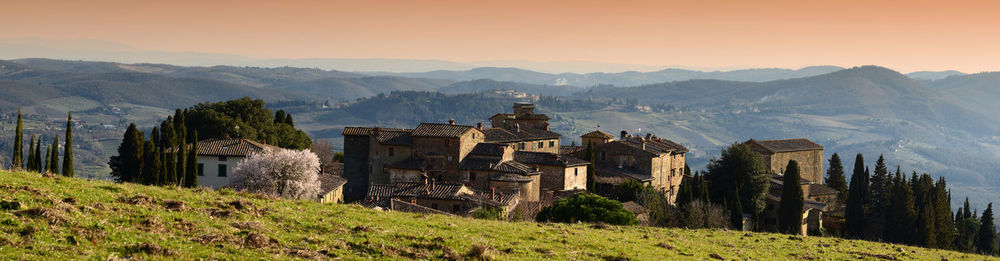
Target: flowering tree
279 172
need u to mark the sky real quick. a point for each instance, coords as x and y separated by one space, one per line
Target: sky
906 36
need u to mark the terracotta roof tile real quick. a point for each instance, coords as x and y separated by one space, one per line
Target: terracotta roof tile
230 147
441 130
548 159
520 134
786 145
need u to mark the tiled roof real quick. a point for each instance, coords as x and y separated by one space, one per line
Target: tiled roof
807 203
614 175
497 165
549 159
429 191
533 116
510 177
478 164
394 137
598 134
365 131
786 145
441 130
488 149
519 134
516 168
496 198
655 144
330 182
230 147
820 189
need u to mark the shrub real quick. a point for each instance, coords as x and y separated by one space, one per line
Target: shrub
490 213
586 207
280 172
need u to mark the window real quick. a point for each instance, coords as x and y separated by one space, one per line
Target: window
222 170
201 169
552 143
472 176
391 152
576 172
541 144
222 158
673 172
520 146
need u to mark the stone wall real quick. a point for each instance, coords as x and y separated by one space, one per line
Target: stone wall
810 163
356 167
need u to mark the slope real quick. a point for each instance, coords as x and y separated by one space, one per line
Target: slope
64 218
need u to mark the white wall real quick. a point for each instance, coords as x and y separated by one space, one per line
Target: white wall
210 164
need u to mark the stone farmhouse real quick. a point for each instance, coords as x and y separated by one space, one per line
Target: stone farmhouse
514 161
776 153
649 159
218 157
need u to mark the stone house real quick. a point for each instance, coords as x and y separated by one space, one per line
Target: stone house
524 116
776 153
525 139
450 198
648 159
559 172
218 157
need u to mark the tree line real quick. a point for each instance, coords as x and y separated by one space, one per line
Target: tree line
35 162
168 156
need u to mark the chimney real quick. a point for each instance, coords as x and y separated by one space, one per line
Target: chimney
479 126
624 134
451 121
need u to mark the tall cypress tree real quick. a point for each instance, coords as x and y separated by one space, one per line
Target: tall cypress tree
31 155
986 237
17 158
835 177
902 213
288 120
856 201
191 172
926 232
168 138
591 169
54 161
38 155
67 169
735 210
881 194
150 164
180 130
792 201
48 157
279 116
127 166
944 223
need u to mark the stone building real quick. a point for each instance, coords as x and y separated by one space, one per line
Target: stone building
448 198
776 153
648 159
519 161
815 199
523 116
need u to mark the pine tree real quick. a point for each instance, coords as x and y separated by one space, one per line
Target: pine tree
127 166
881 194
67 169
986 236
17 158
792 197
926 232
835 177
944 224
857 199
150 164
54 161
31 155
591 168
191 172
902 213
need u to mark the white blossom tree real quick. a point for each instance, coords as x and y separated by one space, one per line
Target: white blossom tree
279 172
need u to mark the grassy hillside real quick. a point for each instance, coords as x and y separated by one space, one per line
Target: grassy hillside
61 218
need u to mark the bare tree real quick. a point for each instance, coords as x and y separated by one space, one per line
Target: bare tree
324 151
279 172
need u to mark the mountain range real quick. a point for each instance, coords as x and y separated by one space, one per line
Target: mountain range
942 123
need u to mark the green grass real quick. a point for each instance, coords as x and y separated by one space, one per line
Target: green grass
63 218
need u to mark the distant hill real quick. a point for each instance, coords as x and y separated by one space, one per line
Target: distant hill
631 78
931 75
490 85
979 92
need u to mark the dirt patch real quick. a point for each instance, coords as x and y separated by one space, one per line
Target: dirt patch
879 256
716 256
53 216
360 228
184 225
69 200
219 213
249 225
665 245
481 252
217 239
137 200
254 240
615 258
241 205
307 254
600 225
174 205
149 249
10 205
151 225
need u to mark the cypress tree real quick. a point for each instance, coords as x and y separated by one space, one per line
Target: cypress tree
902 213
735 211
38 155
279 116
31 155
792 201
17 158
67 169
926 232
180 130
986 237
881 187
150 164
591 169
54 161
288 120
168 138
48 157
856 200
191 172
835 177
166 177
127 166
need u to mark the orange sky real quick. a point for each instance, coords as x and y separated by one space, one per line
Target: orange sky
904 35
